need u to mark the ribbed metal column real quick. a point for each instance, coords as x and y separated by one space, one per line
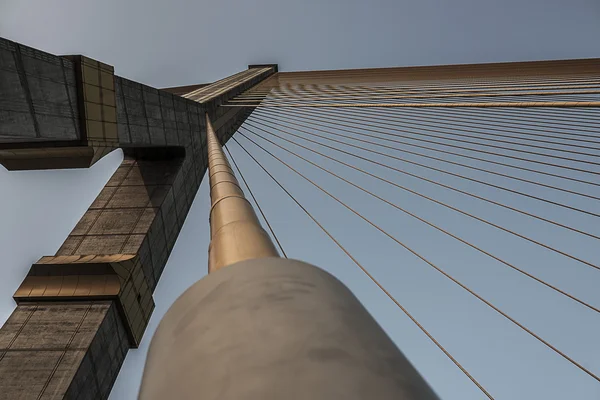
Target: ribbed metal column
236 233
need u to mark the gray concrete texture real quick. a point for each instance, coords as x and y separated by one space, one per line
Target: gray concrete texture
275 328
61 351
38 99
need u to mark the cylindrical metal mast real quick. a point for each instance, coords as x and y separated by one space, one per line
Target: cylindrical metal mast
267 328
236 233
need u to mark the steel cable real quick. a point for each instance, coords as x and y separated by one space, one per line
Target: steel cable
371 277
454 280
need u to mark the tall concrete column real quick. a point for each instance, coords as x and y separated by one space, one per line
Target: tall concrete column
271 329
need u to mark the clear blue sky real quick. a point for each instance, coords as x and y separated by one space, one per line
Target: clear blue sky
180 42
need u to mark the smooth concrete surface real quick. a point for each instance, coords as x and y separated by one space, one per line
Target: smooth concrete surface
274 328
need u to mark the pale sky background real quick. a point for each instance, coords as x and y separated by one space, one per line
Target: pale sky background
183 42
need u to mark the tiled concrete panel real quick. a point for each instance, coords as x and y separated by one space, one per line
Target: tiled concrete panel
175 138
168 113
24 373
123 133
128 215
45 349
184 126
131 89
99 244
197 149
51 69
169 215
7 59
13 96
135 108
157 136
146 261
131 197
16 125
139 134
116 222
171 127
52 127
41 87
153 112
132 244
103 360
183 136
148 116
43 61
151 95
159 258
49 97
